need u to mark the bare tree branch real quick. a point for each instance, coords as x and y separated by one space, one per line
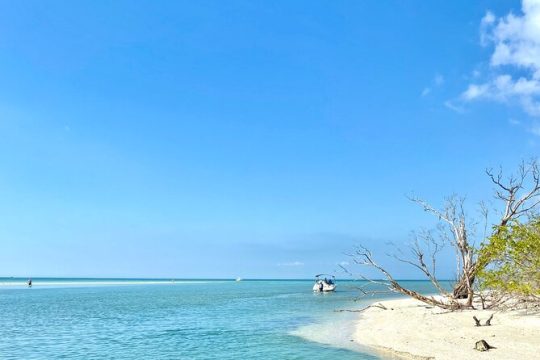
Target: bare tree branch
364 257
520 196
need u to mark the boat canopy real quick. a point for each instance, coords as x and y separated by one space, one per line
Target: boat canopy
319 275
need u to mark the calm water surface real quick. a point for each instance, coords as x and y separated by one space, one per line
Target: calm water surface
81 319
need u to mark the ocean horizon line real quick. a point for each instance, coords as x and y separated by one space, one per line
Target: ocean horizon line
24 278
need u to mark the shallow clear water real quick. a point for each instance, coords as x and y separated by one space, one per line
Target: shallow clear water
67 319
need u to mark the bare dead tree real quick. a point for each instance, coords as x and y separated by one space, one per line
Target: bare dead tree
425 257
364 257
455 220
520 195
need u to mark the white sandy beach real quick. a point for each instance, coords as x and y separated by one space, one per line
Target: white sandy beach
409 329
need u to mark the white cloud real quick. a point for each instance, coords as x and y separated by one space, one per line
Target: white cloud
475 91
450 104
515 60
503 88
488 19
344 263
531 106
292 263
437 81
485 23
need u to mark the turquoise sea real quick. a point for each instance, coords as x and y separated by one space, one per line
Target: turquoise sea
191 319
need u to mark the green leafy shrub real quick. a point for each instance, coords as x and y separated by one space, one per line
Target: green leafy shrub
512 259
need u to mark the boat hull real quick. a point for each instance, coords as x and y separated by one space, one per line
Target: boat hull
323 287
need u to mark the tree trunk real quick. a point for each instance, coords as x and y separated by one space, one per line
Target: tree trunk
461 288
453 305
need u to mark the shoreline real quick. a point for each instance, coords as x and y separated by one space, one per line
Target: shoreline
409 329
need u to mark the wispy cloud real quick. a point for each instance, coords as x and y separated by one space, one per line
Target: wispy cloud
452 106
292 263
514 64
437 81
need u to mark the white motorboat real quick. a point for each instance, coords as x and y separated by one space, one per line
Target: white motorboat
324 283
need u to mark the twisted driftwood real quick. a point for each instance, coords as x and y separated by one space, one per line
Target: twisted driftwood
487 323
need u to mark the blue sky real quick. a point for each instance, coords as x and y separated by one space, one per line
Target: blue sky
247 138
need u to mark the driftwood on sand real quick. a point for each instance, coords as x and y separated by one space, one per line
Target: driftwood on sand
380 306
487 323
482 345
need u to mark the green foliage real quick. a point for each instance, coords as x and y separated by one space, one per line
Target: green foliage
510 260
